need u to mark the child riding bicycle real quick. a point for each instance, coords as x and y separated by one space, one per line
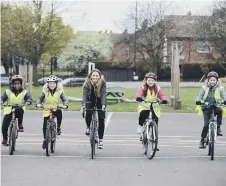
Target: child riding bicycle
151 91
212 93
60 88
15 94
52 98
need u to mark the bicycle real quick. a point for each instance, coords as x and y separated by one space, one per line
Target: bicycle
13 128
51 131
150 134
212 133
93 136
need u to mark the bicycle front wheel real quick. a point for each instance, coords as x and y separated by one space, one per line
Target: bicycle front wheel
53 138
48 139
152 141
92 138
12 137
212 144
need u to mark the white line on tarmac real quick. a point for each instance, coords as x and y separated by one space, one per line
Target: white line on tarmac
112 157
108 119
118 145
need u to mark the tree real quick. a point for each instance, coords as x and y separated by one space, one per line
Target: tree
32 33
149 34
86 48
213 30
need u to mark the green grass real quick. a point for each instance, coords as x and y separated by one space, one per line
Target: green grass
187 96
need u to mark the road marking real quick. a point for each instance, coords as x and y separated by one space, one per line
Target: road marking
108 119
115 135
111 157
125 145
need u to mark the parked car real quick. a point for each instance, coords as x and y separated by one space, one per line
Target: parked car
43 81
73 82
4 81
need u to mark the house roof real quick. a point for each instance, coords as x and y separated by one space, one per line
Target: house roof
182 25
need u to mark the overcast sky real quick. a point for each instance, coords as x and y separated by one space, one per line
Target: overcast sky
93 15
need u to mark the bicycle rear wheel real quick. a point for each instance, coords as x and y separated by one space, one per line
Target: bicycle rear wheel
92 138
12 137
153 140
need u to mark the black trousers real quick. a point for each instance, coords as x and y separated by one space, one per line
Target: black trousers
206 115
19 113
101 117
58 115
144 115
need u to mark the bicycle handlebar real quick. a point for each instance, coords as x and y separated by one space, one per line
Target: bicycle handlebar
13 105
58 107
218 104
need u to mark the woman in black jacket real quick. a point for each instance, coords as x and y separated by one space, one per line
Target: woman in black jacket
94 93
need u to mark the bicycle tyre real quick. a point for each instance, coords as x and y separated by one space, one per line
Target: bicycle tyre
154 128
53 139
12 137
212 144
144 140
48 137
92 138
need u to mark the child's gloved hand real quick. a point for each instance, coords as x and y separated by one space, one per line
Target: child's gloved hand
198 102
139 99
164 101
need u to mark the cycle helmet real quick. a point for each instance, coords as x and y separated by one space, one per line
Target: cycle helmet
151 75
52 78
212 74
16 77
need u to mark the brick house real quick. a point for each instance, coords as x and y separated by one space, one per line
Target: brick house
194 49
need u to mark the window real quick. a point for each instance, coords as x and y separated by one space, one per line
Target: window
203 47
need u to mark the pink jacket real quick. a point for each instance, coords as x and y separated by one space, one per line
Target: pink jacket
160 95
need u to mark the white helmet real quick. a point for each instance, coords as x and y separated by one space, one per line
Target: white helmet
52 78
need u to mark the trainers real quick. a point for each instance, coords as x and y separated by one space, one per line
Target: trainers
139 129
201 144
21 127
59 131
219 132
100 144
44 144
87 131
4 142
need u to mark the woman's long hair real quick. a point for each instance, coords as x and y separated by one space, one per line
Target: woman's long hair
146 87
88 82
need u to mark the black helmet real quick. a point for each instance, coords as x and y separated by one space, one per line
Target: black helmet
212 74
151 75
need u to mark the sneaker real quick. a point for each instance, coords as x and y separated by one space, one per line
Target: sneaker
44 144
4 142
21 127
87 131
100 144
201 144
59 131
139 129
219 132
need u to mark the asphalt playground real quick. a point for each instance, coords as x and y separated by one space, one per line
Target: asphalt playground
121 163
